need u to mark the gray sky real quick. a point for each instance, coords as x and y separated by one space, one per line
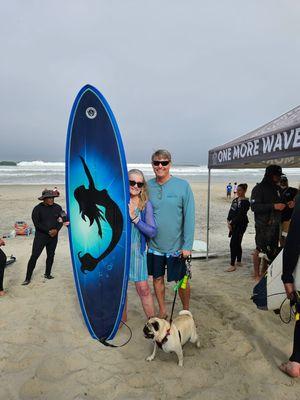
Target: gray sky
184 75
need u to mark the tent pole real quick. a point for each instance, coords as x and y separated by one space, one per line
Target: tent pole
207 215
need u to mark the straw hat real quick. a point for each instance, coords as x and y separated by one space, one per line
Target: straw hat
46 194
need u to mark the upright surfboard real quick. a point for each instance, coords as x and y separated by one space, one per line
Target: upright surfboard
97 196
269 293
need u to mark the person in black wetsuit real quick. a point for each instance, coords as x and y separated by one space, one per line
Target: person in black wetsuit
2 266
47 218
291 254
267 206
237 221
288 195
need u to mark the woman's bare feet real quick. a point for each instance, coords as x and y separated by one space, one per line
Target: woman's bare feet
230 269
2 293
291 368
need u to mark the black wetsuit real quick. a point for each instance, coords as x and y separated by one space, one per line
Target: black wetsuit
288 194
291 254
237 217
2 266
267 220
44 218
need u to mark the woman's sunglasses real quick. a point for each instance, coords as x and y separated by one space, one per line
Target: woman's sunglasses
138 184
163 163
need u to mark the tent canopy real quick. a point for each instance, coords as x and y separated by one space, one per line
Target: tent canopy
277 142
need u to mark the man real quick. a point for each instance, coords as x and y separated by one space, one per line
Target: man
290 259
174 212
267 206
47 219
228 190
288 195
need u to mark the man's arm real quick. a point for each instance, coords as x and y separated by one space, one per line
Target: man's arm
188 220
38 224
291 249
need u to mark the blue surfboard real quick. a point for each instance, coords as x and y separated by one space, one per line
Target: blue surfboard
97 196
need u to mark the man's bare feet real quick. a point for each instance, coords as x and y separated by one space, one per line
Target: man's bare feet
2 293
230 269
256 278
239 264
291 368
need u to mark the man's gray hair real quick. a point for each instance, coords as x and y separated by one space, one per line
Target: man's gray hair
161 154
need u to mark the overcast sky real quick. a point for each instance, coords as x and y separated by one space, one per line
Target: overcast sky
186 75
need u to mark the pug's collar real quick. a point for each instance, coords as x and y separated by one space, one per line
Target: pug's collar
164 340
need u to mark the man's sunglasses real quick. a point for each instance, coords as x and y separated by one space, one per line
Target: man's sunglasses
138 184
163 163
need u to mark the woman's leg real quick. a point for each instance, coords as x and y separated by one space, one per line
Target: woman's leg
239 247
144 292
233 251
2 266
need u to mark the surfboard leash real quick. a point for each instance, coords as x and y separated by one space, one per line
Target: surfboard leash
105 343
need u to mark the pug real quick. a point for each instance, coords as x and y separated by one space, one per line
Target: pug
171 337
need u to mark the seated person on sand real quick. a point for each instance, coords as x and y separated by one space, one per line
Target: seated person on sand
291 254
237 222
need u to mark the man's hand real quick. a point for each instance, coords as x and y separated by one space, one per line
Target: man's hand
289 289
2 243
291 204
186 253
279 206
53 232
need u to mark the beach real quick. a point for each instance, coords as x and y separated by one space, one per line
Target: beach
47 353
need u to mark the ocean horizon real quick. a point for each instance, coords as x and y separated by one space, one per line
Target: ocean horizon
52 172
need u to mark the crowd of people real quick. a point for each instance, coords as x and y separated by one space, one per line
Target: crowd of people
276 208
160 248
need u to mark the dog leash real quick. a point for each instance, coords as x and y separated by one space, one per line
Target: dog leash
182 284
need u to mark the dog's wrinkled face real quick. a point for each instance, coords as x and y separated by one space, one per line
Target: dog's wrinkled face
156 329
151 328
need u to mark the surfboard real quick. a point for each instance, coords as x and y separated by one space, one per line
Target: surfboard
269 293
97 197
200 250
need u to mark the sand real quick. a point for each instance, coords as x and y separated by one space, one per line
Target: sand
46 351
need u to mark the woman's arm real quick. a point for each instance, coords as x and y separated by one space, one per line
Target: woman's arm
148 227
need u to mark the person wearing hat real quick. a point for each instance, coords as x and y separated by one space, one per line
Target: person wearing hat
288 195
47 219
267 206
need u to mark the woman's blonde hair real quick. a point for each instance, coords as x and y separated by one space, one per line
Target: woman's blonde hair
143 196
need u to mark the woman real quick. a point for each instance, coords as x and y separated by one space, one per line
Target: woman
143 227
2 266
237 222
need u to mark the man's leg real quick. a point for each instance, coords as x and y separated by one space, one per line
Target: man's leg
185 295
292 367
159 289
50 248
39 243
256 264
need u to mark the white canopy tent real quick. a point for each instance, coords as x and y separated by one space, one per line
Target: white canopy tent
277 142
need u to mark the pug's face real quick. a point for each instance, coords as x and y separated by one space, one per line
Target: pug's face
156 329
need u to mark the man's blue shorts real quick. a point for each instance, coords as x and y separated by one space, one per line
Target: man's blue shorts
176 267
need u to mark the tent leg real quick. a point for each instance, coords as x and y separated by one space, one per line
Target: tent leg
207 215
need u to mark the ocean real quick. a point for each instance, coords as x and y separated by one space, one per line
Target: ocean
51 173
